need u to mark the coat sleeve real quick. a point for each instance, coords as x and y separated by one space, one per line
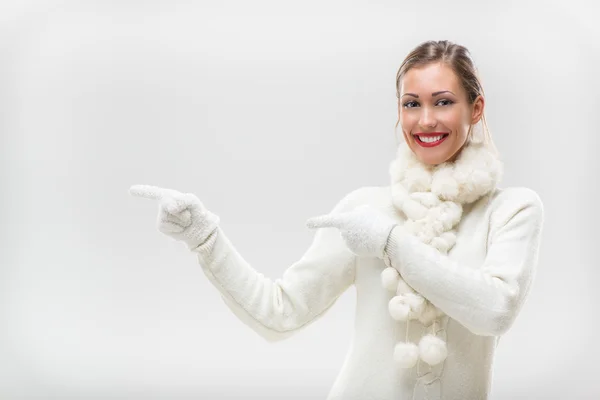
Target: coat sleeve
485 300
275 309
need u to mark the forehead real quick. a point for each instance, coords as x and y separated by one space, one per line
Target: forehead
430 78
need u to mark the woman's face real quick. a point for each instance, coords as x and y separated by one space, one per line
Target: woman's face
434 113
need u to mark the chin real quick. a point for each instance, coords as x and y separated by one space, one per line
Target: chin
432 156
430 159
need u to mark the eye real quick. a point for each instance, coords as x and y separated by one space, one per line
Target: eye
414 102
448 101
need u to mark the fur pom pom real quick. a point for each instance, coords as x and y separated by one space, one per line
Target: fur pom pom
432 349
390 278
451 214
406 355
444 242
398 308
415 301
414 210
444 183
417 178
440 244
429 314
427 199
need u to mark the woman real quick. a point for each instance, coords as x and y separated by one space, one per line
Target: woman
442 259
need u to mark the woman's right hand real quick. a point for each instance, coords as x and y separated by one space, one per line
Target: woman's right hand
181 216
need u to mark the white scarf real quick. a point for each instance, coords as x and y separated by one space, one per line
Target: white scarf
432 198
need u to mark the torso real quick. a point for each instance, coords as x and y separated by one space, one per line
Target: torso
370 372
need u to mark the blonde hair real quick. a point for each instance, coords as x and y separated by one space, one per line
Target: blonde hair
459 59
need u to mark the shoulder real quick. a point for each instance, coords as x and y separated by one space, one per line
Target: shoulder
506 203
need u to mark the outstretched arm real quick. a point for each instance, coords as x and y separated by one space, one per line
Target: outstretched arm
308 288
485 300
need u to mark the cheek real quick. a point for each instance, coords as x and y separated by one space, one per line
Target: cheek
456 124
408 122
406 132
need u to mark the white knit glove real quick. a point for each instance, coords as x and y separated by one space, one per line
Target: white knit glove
181 216
365 229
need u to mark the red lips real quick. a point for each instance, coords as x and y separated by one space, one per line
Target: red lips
431 144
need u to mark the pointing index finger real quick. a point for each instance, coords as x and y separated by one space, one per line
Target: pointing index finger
324 221
148 191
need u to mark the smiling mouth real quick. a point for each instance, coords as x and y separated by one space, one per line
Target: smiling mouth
430 141
429 138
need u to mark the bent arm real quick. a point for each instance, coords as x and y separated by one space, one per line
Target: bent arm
307 289
486 300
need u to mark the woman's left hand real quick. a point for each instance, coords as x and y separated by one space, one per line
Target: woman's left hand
365 229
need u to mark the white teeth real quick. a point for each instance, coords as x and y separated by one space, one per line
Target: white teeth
430 139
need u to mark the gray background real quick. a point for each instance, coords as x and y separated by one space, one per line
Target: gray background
270 112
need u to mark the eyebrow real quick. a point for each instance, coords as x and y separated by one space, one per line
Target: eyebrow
432 94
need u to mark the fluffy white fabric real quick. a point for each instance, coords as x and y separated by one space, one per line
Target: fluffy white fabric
432 198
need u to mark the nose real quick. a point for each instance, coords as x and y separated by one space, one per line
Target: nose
427 119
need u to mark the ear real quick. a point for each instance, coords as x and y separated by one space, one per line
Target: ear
478 106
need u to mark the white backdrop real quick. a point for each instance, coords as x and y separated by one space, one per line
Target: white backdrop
270 112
